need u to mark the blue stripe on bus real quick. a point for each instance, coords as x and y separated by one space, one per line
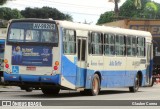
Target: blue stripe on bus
109 78
69 72
2 41
31 78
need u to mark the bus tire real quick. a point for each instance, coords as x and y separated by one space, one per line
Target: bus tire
50 91
95 86
84 92
29 89
153 80
136 85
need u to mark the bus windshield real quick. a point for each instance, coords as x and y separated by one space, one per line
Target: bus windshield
36 32
1 51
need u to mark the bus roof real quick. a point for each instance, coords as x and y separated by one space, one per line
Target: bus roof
96 28
113 30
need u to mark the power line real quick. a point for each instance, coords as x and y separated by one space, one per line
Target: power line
48 2
74 4
81 13
24 5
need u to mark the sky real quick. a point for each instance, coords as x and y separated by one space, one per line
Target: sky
80 10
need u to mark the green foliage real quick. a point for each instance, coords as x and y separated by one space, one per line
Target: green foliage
45 12
151 6
128 9
106 17
137 3
151 10
8 13
148 10
2 2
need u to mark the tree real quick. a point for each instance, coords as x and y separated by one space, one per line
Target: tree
45 12
116 10
130 10
2 2
150 10
106 17
8 13
137 3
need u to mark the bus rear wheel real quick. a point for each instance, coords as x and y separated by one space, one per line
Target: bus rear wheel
95 86
50 91
136 85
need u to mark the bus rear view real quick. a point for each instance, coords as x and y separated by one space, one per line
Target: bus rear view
32 59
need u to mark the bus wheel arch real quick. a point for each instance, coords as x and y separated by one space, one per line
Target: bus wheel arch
137 82
95 84
100 77
96 77
140 75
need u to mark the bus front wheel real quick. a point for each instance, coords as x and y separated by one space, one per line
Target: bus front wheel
95 86
50 91
136 85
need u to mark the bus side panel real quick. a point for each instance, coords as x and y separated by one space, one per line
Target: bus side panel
69 69
112 72
112 78
2 45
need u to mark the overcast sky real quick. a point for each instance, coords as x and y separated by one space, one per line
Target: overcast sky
80 10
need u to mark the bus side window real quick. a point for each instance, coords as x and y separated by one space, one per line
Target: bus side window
134 46
129 45
141 46
69 41
106 44
121 45
97 43
89 43
109 44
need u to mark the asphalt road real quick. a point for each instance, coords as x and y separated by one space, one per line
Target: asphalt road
114 94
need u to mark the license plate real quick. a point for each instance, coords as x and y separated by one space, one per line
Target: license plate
32 68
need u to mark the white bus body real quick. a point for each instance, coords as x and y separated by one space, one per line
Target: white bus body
81 56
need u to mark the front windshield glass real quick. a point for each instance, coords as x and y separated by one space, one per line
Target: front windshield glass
1 51
33 32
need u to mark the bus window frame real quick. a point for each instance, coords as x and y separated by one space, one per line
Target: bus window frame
90 43
75 35
32 43
104 44
144 47
124 45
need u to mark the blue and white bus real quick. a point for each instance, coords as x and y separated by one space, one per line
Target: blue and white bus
3 34
53 55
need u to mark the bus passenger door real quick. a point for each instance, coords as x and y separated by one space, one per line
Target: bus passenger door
81 62
149 63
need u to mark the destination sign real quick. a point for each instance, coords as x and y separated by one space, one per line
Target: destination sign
46 26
